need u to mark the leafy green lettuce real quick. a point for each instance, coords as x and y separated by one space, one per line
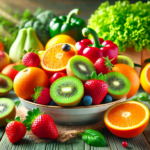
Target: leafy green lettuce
127 25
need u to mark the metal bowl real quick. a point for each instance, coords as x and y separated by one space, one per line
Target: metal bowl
78 115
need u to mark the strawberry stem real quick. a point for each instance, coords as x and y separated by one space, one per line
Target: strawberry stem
108 63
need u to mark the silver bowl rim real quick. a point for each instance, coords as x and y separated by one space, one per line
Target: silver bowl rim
74 107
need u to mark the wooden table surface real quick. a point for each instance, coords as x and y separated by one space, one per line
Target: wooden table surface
141 142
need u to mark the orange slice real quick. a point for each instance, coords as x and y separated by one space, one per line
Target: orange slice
127 119
145 78
55 59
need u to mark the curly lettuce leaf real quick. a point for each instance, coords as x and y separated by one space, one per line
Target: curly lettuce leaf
127 25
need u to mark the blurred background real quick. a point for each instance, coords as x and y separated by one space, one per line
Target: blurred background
59 7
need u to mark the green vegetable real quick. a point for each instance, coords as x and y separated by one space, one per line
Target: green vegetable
40 23
26 39
94 138
127 25
69 25
143 96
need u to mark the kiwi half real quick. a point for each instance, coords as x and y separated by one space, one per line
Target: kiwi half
118 84
125 60
6 84
80 66
7 111
67 91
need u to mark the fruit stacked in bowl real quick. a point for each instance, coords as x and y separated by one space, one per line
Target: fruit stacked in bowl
85 74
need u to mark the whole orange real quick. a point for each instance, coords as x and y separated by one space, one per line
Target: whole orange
28 79
131 74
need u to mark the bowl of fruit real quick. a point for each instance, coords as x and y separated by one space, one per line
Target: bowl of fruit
75 84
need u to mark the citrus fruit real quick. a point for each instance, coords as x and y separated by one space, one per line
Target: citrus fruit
131 74
55 59
145 78
127 119
61 38
28 79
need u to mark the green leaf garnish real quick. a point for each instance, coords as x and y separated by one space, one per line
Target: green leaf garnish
147 60
93 137
32 115
19 67
17 103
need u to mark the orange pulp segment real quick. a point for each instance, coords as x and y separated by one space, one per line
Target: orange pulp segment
55 59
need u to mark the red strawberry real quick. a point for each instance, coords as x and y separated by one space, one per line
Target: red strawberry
103 65
15 130
41 125
55 76
96 88
42 95
31 59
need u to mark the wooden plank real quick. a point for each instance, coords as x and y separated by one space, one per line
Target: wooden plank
49 146
78 144
68 145
2 130
109 138
141 142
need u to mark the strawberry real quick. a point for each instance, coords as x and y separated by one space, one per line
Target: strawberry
31 59
15 130
103 65
41 125
96 88
42 95
55 76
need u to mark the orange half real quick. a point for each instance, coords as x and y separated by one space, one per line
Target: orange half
55 59
145 78
127 119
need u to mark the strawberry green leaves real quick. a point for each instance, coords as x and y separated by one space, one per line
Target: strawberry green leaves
31 117
93 137
108 63
16 119
94 76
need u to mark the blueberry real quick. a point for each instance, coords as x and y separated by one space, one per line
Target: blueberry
66 47
107 99
52 103
87 100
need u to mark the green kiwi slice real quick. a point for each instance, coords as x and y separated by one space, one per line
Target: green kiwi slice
118 84
80 67
67 91
6 84
125 60
7 110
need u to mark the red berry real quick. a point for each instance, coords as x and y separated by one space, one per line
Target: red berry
44 127
31 60
124 144
15 131
55 76
42 95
